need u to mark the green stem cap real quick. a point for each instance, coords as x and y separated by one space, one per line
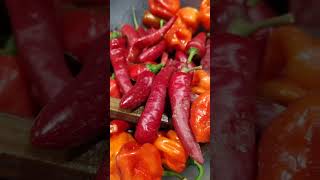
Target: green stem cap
135 22
243 28
114 35
155 68
174 174
113 76
161 23
192 52
199 167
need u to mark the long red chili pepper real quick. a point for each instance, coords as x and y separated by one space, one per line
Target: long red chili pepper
153 53
180 98
77 114
39 45
139 93
119 64
197 46
205 61
182 61
141 31
150 120
128 31
119 42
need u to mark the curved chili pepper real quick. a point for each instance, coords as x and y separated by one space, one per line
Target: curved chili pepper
117 42
205 61
172 151
197 46
182 62
200 118
136 161
204 14
180 98
153 53
136 69
150 119
114 89
118 126
164 8
181 56
150 20
139 93
128 31
141 31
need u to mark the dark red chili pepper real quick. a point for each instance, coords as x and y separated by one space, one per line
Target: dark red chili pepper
151 54
234 91
150 120
139 93
119 42
118 126
141 31
77 114
182 61
114 88
181 56
197 46
136 69
205 61
128 31
180 99
164 58
151 30
155 37
39 45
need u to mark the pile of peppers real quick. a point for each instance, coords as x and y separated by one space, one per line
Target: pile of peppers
147 62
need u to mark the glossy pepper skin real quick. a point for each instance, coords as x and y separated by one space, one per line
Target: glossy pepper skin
164 8
136 69
180 98
181 31
150 119
197 46
172 152
136 161
139 93
200 118
151 54
118 126
200 82
116 143
205 61
150 20
114 88
204 14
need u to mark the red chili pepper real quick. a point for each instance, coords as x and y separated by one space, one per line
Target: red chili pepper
77 114
234 133
164 8
164 58
118 126
116 43
180 98
42 57
114 88
136 69
182 61
128 31
181 56
150 120
197 46
117 57
205 61
81 28
141 31
139 93
151 54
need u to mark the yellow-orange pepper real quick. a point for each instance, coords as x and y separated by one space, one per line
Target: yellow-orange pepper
200 82
204 14
116 142
172 151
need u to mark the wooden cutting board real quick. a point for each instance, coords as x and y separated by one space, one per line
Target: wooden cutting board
19 160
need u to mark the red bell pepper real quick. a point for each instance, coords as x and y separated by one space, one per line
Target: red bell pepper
39 46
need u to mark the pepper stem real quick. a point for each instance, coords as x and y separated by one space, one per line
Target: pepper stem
114 35
135 22
252 3
199 167
174 174
155 68
113 76
243 28
192 52
9 48
161 23
186 70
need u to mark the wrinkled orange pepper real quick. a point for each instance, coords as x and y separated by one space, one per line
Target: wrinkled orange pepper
200 118
172 151
200 82
181 31
116 142
136 162
164 8
204 14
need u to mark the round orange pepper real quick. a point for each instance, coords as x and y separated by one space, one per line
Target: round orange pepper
204 14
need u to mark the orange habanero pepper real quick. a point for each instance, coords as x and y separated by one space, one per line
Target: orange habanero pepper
172 151
164 8
204 14
200 82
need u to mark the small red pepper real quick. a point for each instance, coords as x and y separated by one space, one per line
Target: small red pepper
151 54
128 31
164 8
118 126
197 46
114 88
136 69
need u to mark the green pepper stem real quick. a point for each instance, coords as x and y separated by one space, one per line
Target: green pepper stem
114 35
186 70
174 174
252 3
199 167
135 22
155 68
113 76
161 23
192 52
243 28
9 48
